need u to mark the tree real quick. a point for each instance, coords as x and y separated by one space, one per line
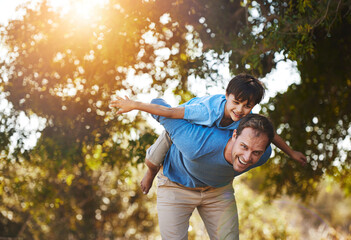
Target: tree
77 185
315 115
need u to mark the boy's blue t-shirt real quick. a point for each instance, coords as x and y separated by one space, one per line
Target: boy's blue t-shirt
207 111
196 157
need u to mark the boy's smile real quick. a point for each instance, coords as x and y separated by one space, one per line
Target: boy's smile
235 109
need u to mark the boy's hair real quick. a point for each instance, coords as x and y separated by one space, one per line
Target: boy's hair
259 123
246 87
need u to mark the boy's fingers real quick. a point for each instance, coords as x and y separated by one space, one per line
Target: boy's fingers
120 111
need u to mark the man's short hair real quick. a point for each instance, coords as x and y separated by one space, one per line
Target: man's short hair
246 87
259 123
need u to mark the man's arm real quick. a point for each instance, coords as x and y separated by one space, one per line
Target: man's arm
127 105
281 144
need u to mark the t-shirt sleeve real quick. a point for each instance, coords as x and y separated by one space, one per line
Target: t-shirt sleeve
206 112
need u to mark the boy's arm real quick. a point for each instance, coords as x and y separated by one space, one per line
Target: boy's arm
297 156
127 105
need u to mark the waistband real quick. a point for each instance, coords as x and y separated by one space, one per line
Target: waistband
199 189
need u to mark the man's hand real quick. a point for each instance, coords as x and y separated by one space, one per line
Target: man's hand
299 157
124 105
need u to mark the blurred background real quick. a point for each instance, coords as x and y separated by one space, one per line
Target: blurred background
70 167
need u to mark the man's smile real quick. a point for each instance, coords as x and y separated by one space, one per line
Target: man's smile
242 162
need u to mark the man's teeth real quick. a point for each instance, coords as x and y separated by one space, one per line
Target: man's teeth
244 163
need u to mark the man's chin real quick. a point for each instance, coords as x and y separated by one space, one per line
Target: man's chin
240 169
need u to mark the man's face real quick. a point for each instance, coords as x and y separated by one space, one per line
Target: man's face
236 109
247 149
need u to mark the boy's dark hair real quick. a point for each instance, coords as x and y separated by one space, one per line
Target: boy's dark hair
259 123
246 87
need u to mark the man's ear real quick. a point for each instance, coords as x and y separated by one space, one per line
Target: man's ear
234 134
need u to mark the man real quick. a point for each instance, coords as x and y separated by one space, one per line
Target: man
198 171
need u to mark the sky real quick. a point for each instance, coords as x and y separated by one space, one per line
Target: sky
7 9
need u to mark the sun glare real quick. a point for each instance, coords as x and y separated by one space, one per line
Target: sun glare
81 9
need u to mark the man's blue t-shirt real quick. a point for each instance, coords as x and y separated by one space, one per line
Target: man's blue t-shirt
207 111
196 157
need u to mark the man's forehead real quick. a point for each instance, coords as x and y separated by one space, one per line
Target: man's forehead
249 134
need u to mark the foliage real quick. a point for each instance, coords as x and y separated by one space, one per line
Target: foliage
315 115
74 183
326 216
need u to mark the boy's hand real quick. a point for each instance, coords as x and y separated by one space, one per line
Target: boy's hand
124 105
299 157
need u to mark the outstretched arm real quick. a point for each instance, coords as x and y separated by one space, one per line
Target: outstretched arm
127 105
297 156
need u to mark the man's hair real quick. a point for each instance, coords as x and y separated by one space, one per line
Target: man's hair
246 87
259 123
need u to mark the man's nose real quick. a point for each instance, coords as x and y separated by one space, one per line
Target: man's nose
247 156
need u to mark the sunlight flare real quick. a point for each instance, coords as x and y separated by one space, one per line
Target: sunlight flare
81 9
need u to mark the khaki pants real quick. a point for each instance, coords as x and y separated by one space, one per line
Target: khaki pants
216 206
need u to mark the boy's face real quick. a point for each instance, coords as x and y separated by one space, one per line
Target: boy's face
236 109
247 148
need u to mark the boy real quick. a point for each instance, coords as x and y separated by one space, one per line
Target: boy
223 111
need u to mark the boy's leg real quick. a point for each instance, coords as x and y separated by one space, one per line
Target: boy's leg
154 159
157 152
219 213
